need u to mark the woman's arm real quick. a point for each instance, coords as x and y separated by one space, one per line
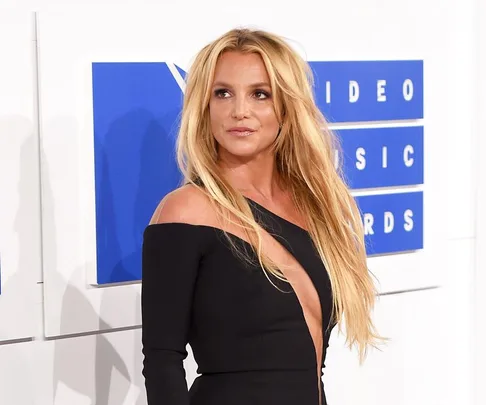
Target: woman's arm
170 261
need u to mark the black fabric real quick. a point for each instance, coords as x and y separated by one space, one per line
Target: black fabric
250 340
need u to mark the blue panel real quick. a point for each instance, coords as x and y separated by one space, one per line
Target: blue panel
369 90
136 110
383 157
136 117
393 222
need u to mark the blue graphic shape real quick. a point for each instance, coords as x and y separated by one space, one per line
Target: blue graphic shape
181 72
393 222
382 157
336 83
136 116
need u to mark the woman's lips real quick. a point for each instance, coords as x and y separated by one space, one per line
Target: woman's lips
241 131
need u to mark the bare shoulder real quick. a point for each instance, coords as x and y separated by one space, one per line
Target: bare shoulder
186 204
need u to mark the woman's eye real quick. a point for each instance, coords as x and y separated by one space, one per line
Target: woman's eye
221 93
261 95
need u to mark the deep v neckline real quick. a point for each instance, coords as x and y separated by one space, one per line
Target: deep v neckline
299 261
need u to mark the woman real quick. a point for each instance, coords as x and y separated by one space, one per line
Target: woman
260 253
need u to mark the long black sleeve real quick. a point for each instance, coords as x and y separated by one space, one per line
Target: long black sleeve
170 259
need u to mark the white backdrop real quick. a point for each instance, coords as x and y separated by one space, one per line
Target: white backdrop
20 258
480 275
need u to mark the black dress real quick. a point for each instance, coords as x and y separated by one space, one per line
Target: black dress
250 341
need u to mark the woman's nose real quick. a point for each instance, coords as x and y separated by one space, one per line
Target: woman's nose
240 108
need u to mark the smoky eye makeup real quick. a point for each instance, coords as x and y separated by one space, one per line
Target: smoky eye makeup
259 94
262 94
220 92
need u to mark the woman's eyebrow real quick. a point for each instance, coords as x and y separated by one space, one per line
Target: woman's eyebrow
253 85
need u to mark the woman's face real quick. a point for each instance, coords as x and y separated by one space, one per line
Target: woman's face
243 119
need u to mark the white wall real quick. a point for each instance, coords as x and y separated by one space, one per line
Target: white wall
430 359
479 336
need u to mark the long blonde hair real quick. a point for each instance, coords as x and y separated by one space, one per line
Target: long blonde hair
305 158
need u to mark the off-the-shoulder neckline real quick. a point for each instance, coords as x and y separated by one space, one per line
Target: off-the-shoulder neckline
196 226
222 230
